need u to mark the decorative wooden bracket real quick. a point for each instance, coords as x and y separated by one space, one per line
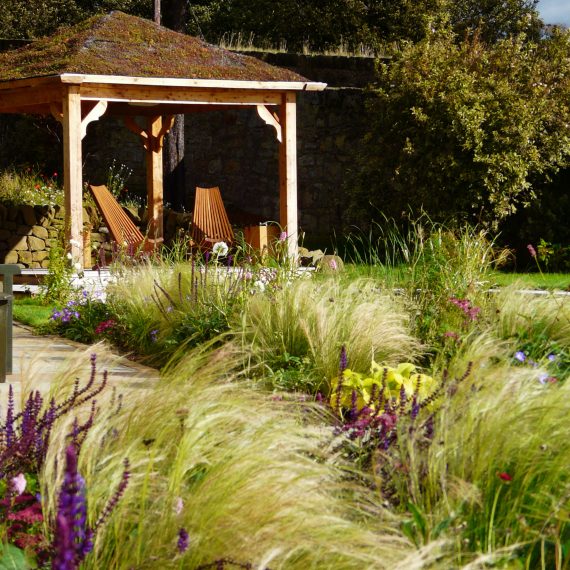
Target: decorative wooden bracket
150 142
56 111
270 119
94 114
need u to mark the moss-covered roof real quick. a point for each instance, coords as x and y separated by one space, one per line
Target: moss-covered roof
119 44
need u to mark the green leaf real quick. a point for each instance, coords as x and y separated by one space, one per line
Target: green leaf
13 558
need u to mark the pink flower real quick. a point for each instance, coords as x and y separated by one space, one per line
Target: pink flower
179 505
333 265
504 476
283 236
531 250
19 483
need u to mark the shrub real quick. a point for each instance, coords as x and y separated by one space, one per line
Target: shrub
465 130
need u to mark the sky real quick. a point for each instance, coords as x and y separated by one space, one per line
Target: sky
555 11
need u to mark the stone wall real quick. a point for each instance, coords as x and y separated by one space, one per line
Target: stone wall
27 233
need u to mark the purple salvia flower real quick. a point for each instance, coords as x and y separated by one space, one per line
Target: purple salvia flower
343 364
72 539
183 541
112 503
9 427
415 407
64 552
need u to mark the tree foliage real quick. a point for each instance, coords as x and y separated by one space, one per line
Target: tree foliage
36 18
329 23
466 129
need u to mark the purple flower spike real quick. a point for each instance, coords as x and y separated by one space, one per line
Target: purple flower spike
183 541
72 537
343 360
531 250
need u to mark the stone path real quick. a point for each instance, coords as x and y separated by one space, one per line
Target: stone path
39 360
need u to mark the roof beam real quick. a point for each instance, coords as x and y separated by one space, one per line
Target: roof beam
185 95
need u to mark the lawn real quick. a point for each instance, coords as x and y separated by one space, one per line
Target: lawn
32 311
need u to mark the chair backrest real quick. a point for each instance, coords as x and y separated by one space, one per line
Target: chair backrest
122 229
210 222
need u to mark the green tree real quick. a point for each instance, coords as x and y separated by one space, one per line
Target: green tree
35 18
493 20
465 130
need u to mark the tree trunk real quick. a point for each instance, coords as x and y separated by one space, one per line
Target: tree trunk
157 11
174 17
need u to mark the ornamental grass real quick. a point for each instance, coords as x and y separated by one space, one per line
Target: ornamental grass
248 478
493 479
313 319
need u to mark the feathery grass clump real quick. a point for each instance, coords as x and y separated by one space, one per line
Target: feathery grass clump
494 476
249 478
314 319
524 316
162 310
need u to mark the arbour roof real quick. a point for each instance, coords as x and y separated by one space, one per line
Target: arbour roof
124 45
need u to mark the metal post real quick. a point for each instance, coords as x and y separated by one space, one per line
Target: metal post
8 271
5 302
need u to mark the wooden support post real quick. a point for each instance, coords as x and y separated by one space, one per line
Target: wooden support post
154 177
72 171
288 171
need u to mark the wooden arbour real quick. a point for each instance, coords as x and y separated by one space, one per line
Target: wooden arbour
117 64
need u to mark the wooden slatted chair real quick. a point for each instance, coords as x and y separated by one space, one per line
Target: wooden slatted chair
122 229
210 223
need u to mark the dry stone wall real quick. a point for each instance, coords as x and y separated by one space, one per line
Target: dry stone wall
27 233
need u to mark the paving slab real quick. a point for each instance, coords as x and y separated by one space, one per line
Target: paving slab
40 362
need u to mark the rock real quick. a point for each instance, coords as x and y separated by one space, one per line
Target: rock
36 244
59 212
25 257
35 265
40 232
45 264
331 264
133 213
29 215
24 230
11 257
39 255
18 243
13 212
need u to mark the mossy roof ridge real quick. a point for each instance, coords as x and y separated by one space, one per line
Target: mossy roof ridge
120 44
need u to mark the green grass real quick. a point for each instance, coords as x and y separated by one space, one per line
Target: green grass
548 281
32 311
